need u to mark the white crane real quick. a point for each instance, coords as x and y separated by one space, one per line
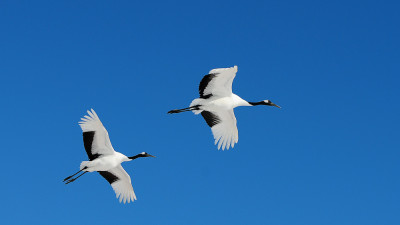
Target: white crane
104 159
216 104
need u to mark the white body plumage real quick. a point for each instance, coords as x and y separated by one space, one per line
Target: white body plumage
215 103
104 163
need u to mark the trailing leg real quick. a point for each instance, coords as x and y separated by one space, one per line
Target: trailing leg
69 177
72 180
196 107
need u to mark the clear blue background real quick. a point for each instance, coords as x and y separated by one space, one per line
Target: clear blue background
329 156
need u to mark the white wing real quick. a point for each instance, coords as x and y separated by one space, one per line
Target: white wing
121 183
223 127
95 136
218 82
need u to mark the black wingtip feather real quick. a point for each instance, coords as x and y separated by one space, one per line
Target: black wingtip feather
111 178
210 118
204 82
87 142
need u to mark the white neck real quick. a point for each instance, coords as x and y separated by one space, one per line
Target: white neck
122 157
238 101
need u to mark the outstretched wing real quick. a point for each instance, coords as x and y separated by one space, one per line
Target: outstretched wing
121 183
217 83
223 127
95 136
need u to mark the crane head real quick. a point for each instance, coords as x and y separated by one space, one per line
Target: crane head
143 154
268 102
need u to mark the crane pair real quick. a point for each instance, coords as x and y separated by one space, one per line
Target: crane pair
215 104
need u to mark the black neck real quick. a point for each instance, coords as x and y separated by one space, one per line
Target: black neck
135 157
257 103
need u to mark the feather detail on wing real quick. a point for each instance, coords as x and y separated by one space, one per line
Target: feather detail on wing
217 83
95 136
121 183
223 127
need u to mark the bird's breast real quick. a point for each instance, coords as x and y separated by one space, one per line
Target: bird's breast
225 103
105 163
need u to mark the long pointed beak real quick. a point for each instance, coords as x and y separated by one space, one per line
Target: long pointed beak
275 105
151 155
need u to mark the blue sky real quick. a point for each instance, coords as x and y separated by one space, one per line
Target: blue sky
329 156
